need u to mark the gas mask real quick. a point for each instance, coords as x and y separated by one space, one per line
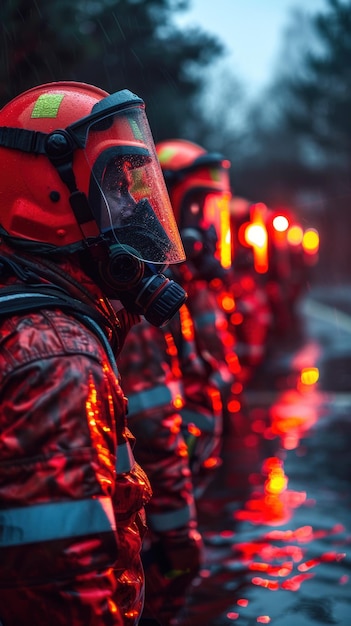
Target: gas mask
139 286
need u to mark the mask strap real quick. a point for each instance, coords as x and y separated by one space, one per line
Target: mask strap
59 148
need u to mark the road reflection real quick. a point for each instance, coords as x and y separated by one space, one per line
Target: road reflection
276 517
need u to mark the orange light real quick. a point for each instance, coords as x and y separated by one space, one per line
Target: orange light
228 303
256 236
309 375
194 430
187 326
310 241
216 211
211 462
178 402
295 235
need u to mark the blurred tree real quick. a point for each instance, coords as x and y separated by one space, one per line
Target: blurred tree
40 42
221 126
299 129
114 44
299 150
320 99
142 49
274 165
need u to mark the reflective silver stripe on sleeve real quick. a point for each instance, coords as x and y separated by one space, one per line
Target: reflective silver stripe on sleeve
152 398
56 520
161 522
125 458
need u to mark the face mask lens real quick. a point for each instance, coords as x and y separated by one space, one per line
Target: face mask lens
127 191
118 204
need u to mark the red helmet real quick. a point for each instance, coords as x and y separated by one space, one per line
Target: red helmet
199 187
64 147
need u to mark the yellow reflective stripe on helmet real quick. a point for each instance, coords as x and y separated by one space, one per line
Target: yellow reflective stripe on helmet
125 458
136 130
56 520
168 521
151 398
165 154
47 105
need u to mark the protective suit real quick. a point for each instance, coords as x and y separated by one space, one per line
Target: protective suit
74 161
172 552
175 377
199 189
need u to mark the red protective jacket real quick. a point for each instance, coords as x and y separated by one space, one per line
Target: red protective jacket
215 343
71 495
251 320
172 551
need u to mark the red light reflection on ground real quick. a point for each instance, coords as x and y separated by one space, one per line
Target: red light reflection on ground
281 562
327 557
233 616
294 583
295 412
275 503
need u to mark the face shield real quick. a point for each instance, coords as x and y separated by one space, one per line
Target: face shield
127 192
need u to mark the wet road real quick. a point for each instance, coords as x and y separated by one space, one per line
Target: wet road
276 519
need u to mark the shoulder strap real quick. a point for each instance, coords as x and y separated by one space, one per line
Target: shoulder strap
16 299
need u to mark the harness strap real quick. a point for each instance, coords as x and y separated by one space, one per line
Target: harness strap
16 299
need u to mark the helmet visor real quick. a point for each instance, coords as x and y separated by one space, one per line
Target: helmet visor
127 192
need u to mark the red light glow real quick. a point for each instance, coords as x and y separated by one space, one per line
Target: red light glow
243 602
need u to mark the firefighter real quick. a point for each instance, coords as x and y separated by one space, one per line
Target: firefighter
251 315
173 550
199 189
85 224
175 413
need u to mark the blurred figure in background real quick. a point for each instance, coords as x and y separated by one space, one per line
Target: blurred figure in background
250 313
175 378
172 549
199 188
